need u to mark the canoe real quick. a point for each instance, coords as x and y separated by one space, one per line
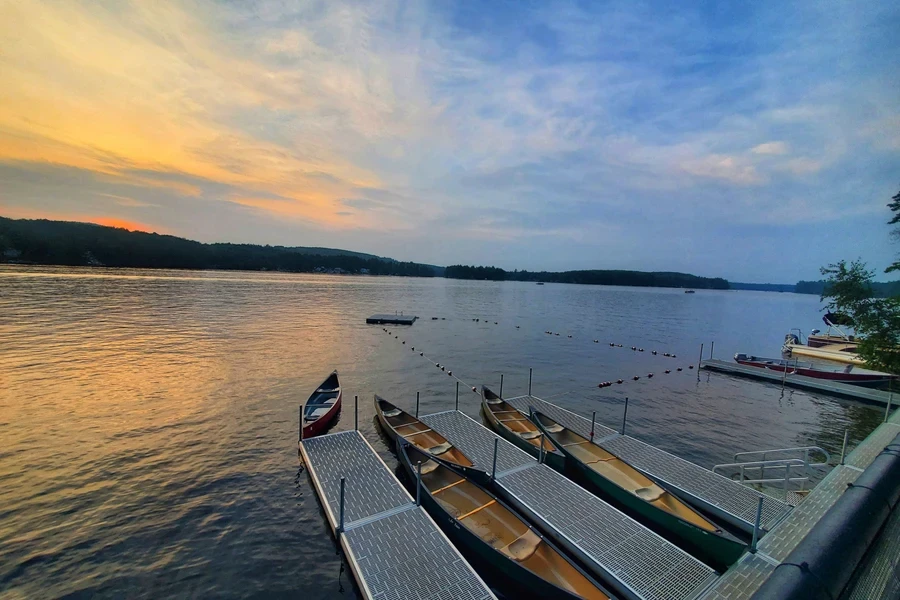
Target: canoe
643 498
322 407
517 429
398 424
846 374
492 535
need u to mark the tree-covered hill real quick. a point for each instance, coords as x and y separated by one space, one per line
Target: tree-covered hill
78 244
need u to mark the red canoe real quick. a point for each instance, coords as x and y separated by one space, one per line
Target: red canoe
322 407
846 374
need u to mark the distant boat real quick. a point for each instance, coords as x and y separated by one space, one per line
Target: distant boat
322 407
540 283
689 292
847 374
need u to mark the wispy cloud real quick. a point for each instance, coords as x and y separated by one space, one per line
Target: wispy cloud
560 130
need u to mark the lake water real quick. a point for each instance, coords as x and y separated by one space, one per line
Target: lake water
149 418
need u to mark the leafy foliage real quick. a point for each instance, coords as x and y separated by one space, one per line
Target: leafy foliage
877 320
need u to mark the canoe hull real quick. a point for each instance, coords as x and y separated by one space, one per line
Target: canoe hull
492 565
715 549
555 461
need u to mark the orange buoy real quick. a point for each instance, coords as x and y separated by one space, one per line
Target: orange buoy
654 353
473 388
649 375
449 372
668 371
690 366
619 380
673 356
679 368
636 377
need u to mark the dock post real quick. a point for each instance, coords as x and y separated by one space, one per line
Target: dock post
419 483
356 413
712 346
887 410
341 516
844 447
457 395
501 385
529 380
541 450
699 361
756 526
787 475
417 405
494 468
593 419
625 416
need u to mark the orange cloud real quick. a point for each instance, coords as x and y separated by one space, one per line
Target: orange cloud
97 89
122 224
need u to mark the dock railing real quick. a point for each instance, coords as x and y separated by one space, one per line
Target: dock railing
775 468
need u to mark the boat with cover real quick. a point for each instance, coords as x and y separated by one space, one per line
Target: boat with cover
844 352
322 407
834 321
397 423
516 428
492 534
642 497
846 374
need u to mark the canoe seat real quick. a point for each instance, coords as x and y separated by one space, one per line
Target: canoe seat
429 466
392 413
327 391
523 547
495 401
314 414
529 435
650 494
440 448
554 428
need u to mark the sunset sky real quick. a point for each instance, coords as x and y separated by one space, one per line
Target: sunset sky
751 140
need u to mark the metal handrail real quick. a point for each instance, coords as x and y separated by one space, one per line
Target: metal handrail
806 450
786 463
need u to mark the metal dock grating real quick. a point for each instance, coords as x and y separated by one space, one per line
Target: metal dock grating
613 544
742 580
731 498
477 442
393 547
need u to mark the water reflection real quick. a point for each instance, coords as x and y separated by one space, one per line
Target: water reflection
149 419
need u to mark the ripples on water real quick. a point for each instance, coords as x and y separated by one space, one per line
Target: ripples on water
149 418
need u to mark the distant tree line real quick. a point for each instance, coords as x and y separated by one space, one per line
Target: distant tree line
592 277
821 288
84 244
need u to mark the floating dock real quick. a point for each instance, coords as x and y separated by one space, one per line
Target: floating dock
727 500
391 319
842 390
634 561
393 547
872 576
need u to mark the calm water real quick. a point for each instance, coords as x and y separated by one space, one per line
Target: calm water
149 418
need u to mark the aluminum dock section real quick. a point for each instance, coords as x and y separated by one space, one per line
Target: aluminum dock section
634 561
728 500
875 572
391 319
842 390
393 547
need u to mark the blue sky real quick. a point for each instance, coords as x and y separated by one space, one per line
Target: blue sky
754 141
